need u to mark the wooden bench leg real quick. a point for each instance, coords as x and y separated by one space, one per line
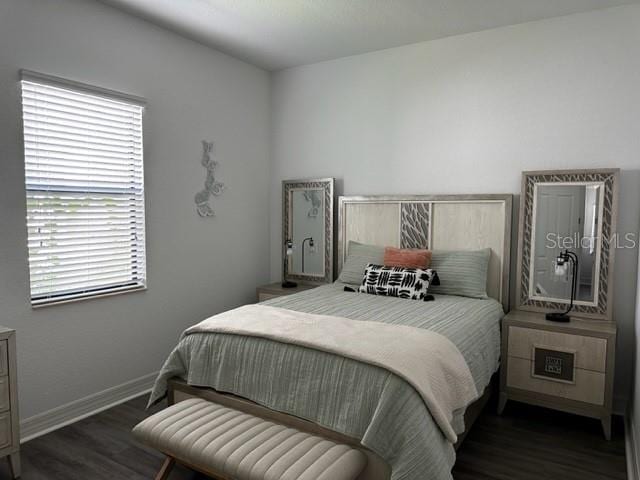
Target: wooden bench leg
166 468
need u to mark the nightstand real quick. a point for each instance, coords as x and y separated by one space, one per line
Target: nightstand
9 419
273 290
564 366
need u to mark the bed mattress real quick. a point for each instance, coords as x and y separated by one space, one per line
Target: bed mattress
344 395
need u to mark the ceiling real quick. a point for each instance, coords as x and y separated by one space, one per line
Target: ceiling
276 34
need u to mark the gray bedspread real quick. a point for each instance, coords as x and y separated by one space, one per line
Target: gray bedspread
357 399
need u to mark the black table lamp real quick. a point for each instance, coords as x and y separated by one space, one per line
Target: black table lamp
288 251
563 259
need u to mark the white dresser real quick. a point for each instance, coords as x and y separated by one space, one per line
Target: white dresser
9 420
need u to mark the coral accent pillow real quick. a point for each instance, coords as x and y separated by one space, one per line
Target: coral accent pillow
407 257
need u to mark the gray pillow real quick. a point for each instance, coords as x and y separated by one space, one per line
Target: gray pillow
461 272
359 255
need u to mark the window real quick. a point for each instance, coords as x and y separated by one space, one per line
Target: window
85 190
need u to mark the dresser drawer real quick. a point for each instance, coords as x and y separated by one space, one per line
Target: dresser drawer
590 353
266 296
587 386
4 358
4 394
5 430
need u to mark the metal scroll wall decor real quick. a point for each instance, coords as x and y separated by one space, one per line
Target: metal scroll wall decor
212 188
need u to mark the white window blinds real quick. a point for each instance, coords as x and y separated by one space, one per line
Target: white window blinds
85 191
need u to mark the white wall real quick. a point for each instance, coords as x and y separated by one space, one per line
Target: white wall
467 114
195 266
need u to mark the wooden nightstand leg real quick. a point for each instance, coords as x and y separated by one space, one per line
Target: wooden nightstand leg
606 426
14 464
502 401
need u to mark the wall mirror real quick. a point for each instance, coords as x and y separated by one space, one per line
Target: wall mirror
307 230
567 211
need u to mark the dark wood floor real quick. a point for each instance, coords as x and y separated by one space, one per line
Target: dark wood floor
526 443
533 443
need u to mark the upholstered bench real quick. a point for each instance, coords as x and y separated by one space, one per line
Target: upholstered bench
233 445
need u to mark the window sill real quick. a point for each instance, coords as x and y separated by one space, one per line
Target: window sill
90 296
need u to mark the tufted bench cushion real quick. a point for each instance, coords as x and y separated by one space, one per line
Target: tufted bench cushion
227 443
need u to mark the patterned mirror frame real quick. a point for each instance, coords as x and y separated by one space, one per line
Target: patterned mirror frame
327 185
610 179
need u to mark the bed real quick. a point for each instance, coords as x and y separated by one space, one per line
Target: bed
349 400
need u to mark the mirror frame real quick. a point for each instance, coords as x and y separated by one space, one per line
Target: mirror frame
602 309
327 185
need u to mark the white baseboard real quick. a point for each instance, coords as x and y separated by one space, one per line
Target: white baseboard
620 405
72 412
631 448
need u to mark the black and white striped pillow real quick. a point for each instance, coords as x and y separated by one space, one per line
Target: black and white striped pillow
402 282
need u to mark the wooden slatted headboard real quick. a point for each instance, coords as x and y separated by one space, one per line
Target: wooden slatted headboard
437 222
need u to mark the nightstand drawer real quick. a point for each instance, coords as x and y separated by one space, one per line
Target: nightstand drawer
5 403
4 358
590 352
5 430
588 386
266 296
275 290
